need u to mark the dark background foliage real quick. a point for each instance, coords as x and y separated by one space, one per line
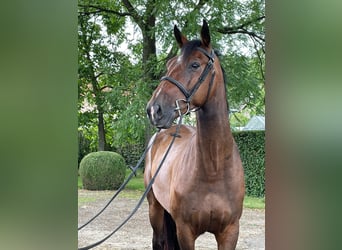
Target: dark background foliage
251 145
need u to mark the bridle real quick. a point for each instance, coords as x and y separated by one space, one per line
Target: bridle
189 94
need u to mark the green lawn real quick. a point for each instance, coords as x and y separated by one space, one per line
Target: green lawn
136 184
254 202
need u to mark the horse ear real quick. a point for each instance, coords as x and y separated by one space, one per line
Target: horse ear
181 40
205 35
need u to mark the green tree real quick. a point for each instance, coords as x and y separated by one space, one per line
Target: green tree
106 79
93 60
237 29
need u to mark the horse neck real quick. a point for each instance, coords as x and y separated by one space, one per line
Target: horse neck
214 138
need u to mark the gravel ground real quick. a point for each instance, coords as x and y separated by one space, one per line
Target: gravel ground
137 233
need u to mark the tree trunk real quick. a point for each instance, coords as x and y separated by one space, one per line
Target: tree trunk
149 48
101 132
149 55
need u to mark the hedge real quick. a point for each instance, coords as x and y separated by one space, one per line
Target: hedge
251 145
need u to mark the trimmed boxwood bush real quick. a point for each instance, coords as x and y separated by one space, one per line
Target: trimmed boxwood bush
251 145
102 170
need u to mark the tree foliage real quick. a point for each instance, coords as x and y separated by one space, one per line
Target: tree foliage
124 46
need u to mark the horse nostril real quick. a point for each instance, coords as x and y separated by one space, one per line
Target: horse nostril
156 114
159 112
156 111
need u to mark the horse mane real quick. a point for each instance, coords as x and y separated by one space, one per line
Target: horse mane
225 81
189 47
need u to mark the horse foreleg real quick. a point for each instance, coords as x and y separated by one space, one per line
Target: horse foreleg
156 214
186 239
227 240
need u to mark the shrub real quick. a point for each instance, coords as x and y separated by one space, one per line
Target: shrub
251 145
102 170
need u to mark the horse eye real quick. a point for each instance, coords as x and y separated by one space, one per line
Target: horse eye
195 65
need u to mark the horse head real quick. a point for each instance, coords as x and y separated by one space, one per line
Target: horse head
188 82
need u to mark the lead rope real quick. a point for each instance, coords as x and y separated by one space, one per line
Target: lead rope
148 188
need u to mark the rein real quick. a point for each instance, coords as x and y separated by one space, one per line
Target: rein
148 188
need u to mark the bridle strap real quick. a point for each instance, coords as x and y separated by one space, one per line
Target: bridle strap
186 93
210 56
189 94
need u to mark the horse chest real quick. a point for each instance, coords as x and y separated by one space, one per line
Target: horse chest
209 212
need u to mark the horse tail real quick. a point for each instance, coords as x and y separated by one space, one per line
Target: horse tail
171 232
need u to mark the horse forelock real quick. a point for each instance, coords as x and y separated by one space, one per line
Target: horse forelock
189 47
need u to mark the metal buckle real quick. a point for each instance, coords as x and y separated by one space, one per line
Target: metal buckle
178 107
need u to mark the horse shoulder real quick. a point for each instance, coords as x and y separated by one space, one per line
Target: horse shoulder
168 175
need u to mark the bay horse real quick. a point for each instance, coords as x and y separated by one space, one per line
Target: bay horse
200 186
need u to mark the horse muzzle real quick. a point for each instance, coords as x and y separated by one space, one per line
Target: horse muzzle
159 116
